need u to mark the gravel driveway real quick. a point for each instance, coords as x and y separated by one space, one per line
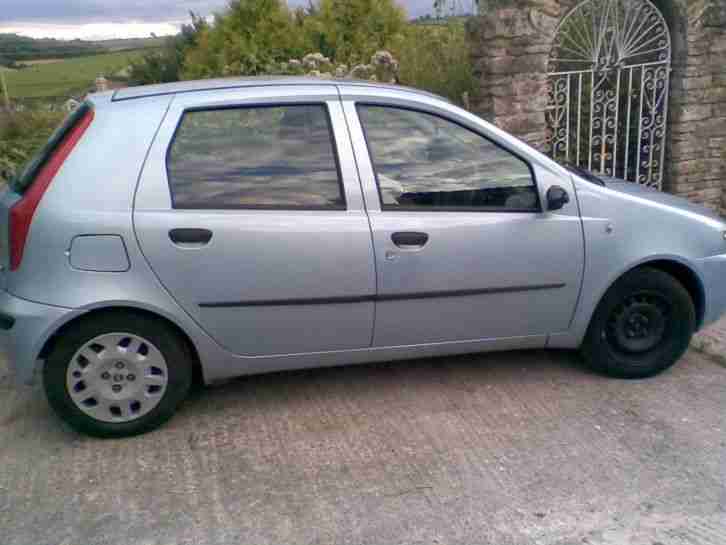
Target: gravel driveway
515 448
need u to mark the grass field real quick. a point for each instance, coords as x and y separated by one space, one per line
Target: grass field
66 77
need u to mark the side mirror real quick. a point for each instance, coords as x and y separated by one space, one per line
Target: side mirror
556 198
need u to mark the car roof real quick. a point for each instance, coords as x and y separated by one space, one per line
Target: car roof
130 93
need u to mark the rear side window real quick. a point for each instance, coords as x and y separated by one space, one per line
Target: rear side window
255 157
27 175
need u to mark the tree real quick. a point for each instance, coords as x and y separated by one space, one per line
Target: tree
252 36
166 65
245 39
442 66
352 30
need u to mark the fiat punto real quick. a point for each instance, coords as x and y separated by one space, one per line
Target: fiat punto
203 230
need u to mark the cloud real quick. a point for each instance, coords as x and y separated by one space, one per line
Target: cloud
123 11
91 19
102 11
92 31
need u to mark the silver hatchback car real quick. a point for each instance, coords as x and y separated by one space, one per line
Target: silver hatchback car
204 230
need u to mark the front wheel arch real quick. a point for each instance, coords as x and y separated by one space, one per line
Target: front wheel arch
687 277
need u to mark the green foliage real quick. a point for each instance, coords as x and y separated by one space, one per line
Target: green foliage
161 66
166 64
21 135
252 36
436 58
350 31
258 36
245 39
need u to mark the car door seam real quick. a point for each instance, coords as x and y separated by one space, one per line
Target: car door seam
584 258
154 273
365 211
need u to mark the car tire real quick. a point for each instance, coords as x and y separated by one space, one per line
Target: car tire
117 374
641 327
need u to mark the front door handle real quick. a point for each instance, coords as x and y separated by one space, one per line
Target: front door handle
199 237
410 239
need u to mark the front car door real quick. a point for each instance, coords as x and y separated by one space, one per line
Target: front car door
464 249
250 212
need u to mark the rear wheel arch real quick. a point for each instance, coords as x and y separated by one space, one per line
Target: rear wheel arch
95 313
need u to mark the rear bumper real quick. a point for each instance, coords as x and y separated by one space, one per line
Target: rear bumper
24 328
713 273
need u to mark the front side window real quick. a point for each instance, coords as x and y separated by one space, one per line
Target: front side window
423 161
255 157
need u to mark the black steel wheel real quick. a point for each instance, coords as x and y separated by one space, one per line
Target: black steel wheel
641 327
638 324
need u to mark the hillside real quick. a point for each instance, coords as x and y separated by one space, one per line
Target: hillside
16 49
125 44
67 77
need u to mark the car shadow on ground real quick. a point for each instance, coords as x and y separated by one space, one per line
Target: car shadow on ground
26 412
468 372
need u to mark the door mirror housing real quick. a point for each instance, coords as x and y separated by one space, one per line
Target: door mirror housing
557 197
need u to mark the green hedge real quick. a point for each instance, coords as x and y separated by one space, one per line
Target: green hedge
21 135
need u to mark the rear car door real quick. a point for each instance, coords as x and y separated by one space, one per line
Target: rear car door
464 249
250 212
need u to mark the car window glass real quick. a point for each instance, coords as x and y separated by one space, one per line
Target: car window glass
423 161
277 157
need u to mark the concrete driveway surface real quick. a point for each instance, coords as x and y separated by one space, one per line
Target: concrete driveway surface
500 449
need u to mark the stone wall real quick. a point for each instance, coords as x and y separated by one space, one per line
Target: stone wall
696 165
511 42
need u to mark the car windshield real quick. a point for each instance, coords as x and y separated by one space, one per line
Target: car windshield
585 174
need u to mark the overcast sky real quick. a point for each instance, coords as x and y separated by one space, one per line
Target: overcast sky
95 19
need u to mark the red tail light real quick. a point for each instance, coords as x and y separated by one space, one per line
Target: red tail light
21 213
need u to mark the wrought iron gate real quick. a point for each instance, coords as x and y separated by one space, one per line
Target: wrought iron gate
609 72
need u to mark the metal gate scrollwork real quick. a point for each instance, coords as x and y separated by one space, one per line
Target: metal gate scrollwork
608 75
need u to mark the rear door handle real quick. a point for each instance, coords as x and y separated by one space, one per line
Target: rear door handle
409 239
190 236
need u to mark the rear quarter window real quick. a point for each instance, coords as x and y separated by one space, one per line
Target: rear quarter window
28 173
255 157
